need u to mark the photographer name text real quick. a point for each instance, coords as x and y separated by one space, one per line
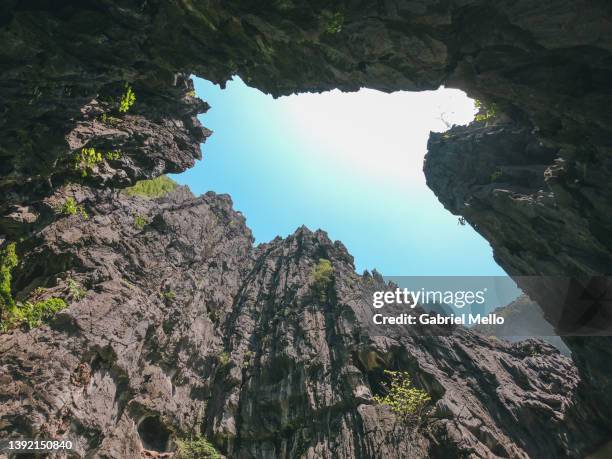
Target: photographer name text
438 319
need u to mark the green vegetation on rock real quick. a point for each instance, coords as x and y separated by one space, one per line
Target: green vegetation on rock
112 155
223 358
140 221
154 188
196 448
15 314
406 401
76 291
110 120
32 314
322 275
334 23
86 160
8 260
70 207
169 295
485 113
128 98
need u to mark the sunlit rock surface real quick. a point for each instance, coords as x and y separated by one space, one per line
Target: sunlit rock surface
186 326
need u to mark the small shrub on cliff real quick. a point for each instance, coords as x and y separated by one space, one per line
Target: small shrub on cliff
14 314
154 188
196 448
322 275
406 401
334 23
128 98
223 358
169 296
485 113
140 221
32 314
112 155
86 160
76 291
70 207
8 260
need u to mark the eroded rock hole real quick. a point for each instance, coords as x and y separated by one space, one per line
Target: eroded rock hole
153 434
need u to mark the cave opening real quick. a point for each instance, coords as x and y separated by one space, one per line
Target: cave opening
348 163
153 434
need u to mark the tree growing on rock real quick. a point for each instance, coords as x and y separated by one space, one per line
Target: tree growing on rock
322 275
407 402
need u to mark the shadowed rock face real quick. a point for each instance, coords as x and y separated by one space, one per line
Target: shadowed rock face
541 218
547 65
544 216
186 326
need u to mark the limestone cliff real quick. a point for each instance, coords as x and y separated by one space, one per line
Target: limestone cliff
185 326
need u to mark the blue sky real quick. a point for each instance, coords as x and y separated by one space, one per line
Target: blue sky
348 163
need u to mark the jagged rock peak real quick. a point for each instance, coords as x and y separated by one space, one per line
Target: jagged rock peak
182 326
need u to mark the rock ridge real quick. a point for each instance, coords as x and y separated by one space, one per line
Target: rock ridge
235 341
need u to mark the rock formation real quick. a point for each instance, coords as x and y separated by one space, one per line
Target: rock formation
186 327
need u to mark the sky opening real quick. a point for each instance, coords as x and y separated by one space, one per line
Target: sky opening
348 163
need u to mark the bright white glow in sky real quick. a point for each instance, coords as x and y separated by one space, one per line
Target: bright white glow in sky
348 163
373 134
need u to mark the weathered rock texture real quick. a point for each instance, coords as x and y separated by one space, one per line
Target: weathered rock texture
506 183
547 225
125 356
186 327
